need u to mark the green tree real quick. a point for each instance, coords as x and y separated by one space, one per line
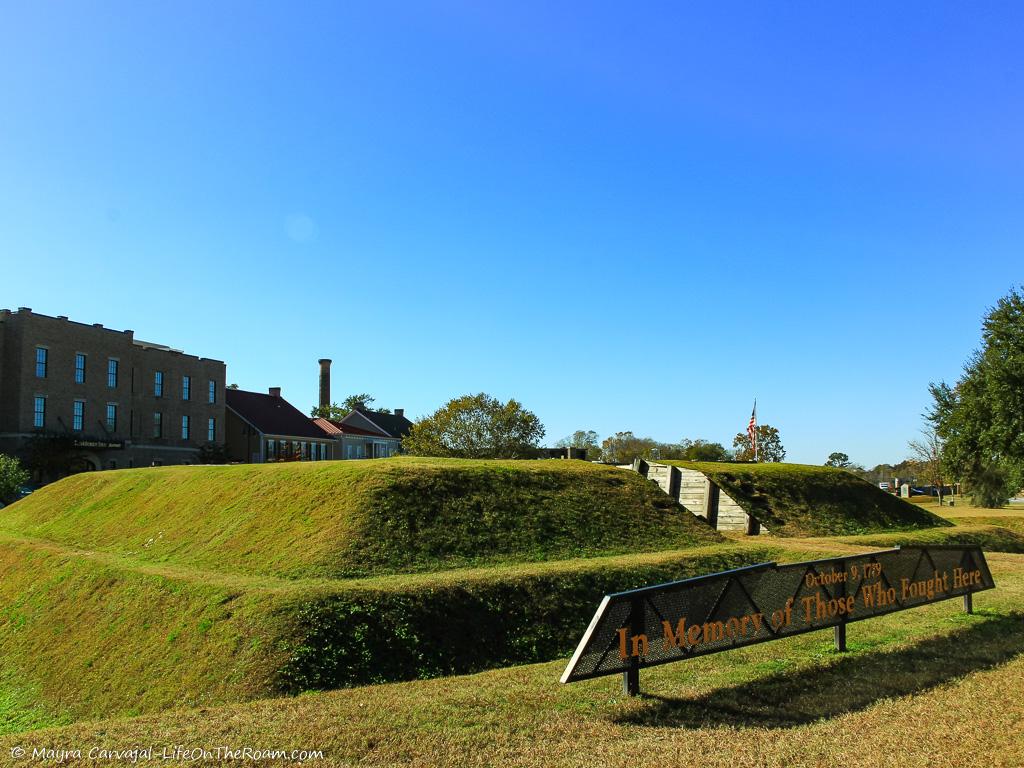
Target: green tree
352 402
702 450
585 439
769 445
624 447
12 477
838 459
212 453
980 420
476 427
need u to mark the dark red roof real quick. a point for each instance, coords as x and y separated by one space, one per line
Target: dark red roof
271 415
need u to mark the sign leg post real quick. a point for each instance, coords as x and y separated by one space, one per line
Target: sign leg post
631 680
631 677
969 602
840 637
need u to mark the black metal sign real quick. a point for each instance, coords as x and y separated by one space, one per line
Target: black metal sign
708 614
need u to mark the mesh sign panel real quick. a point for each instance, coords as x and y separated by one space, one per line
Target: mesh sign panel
674 621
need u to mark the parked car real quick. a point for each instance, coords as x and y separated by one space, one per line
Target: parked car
25 490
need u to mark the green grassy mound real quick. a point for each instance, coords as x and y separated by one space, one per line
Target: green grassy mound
85 635
931 686
806 500
357 518
991 538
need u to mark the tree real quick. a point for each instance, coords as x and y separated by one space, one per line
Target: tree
12 477
476 427
212 453
769 445
352 402
981 419
588 440
624 447
838 459
927 453
701 450
232 386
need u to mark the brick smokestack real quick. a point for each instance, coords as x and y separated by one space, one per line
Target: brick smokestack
325 383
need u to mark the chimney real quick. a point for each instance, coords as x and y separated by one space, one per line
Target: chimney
325 383
275 391
400 413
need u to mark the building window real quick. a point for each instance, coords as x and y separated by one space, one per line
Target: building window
158 424
270 450
42 354
112 416
184 428
211 430
78 416
186 387
112 373
111 464
158 384
39 415
79 368
213 391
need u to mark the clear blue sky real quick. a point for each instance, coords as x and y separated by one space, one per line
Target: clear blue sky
628 216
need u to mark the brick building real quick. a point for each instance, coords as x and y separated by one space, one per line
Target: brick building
118 401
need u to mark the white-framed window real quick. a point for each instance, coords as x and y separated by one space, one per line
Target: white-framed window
42 361
158 384
211 429
79 368
112 417
39 412
271 447
158 424
184 427
186 387
78 415
212 391
112 373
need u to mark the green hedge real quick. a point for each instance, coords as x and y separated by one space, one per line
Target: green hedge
361 636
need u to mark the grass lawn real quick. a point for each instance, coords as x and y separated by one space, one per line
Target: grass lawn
806 500
342 519
930 686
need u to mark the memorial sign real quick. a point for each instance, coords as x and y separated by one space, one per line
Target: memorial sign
681 619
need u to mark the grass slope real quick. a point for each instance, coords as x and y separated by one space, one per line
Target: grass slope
930 686
88 634
357 518
806 500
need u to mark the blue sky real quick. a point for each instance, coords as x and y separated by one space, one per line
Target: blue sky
629 217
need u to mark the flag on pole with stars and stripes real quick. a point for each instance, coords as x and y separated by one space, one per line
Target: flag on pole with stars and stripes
752 429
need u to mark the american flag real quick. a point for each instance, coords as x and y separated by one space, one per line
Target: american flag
752 429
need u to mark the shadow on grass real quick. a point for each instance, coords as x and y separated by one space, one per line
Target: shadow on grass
789 699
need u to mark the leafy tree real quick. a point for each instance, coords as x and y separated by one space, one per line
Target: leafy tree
585 439
212 453
769 445
624 447
981 419
51 455
476 427
838 459
337 412
232 386
927 454
702 450
12 477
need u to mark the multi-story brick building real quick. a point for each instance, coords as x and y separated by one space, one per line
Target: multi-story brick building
117 401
